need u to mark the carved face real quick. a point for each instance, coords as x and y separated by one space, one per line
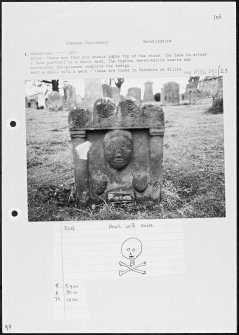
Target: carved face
131 248
118 147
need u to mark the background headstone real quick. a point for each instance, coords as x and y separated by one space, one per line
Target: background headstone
116 95
170 93
107 91
92 91
70 96
148 91
41 100
33 103
135 92
55 101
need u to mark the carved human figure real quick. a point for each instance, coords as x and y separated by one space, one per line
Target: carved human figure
118 148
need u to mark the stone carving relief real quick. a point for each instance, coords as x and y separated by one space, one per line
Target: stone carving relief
118 147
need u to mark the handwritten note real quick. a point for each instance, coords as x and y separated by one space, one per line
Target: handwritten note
120 250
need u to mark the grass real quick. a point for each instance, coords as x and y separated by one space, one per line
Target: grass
193 169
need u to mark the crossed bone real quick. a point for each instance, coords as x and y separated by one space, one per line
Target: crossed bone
130 268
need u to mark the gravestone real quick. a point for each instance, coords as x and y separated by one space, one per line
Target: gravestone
170 93
134 92
33 103
41 100
70 96
116 95
92 91
55 101
107 90
148 91
117 151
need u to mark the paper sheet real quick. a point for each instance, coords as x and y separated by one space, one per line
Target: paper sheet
171 269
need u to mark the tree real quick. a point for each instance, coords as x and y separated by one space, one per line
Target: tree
54 83
118 83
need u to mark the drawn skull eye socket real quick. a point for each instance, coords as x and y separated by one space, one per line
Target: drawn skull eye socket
128 249
133 249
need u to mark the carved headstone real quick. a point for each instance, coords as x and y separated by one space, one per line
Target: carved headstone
134 92
92 91
117 151
55 101
148 91
70 96
170 93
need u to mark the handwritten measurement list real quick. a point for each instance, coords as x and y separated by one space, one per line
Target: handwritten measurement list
115 250
69 295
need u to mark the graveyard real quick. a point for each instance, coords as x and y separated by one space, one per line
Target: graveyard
193 168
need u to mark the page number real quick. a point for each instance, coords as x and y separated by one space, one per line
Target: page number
8 327
217 17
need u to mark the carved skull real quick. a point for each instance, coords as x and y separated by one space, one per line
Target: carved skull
118 147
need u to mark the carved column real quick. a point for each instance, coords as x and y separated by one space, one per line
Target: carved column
156 162
80 156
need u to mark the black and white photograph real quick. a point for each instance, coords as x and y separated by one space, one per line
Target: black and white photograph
125 148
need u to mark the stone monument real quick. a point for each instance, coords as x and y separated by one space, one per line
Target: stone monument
41 100
55 101
170 93
117 151
148 91
92 91
116 95
70 96
134 92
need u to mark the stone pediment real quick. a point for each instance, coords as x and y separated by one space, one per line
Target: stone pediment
128 114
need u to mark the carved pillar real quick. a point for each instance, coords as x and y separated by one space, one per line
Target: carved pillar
80 155
156 162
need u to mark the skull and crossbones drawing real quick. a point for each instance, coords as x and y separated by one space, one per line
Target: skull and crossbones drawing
131 249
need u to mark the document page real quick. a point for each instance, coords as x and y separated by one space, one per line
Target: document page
119 167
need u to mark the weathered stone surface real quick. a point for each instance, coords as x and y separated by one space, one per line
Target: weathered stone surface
117 151
55 101
130 113
170 93
148 91
118 147
92 91
134 92
70 96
